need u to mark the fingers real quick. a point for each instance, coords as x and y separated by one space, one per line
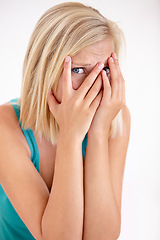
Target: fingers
86 85
93 92
94 105
114 76
52 103
106 87
66 78
117 81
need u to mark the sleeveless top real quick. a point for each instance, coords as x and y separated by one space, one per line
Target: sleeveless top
11 225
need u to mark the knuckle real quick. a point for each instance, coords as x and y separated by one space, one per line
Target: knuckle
122 80
109 104
115 101
116 61
96 88
116 80
75 102
89 82
123 101
97 101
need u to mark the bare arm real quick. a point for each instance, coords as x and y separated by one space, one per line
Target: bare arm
102 216
59 214
103 174
117 156
104 162
63 217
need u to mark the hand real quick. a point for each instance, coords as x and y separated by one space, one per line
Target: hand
75 113
113 98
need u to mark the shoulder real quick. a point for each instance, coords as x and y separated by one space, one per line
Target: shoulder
10 131
8 118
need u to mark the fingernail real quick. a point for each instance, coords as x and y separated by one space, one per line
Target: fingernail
67 59
104 72
114 55
100 65
112 60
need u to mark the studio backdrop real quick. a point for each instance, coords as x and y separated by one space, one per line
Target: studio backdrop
140 21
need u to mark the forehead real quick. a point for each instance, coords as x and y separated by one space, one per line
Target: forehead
96 52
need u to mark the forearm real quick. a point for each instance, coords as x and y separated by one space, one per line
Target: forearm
63 217
101 215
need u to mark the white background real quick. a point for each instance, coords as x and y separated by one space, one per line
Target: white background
140 21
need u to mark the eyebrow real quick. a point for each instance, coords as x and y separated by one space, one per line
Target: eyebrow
86 64
81 64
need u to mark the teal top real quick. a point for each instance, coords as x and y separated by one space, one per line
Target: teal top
11 225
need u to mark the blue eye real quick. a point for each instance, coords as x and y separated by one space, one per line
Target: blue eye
78 70
107 70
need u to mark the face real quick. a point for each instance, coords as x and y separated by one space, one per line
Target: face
84 62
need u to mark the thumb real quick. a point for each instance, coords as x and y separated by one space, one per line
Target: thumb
52 103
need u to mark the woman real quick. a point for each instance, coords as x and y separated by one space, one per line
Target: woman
64 142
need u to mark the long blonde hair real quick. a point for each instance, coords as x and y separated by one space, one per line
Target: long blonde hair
64 29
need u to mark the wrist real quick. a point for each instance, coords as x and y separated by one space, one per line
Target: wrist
69 138
104 134
100 131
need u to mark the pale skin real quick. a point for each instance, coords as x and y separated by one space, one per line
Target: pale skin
68 200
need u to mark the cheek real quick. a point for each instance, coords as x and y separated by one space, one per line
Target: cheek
77 81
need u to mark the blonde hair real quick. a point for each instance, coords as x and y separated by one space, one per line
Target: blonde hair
64 29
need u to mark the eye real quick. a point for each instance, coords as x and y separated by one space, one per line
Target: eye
107 70
78 70
107 73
